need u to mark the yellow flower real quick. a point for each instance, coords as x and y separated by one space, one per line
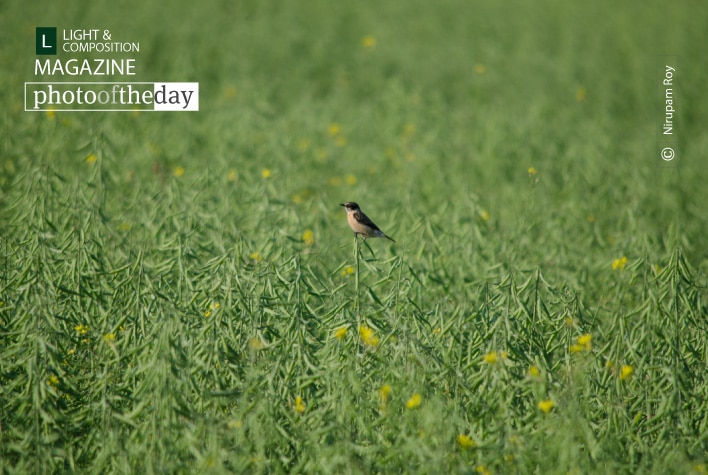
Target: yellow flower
178 171
609 364
347 270
299 405
81 329
384 393
351 180
569 321
340 333
266 173
256 256
368 42
91 158
234 424
334 129
580 94
626 372
368 336
232 176
546 406
532 172
50 114
480 69
437 330
109 338
484 215
490 358
335 181
255 344
414 401
230 92
53 380
212 307
340 141
534 371
575 348
71 351
619 263
465 441
482 470
585 341
308 237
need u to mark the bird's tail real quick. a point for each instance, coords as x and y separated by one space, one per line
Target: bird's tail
389 238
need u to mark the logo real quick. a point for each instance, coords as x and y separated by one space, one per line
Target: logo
46 40
96 62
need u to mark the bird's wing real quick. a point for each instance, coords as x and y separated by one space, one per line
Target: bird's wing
364 219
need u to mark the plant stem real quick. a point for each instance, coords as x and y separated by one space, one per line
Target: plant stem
357 252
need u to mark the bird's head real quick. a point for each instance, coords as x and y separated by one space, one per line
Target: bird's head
350 206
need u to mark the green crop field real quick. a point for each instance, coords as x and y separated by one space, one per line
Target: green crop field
181 293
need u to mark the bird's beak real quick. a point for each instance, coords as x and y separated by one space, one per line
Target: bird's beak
342 204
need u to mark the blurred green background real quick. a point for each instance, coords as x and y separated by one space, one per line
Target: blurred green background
447 102
490 139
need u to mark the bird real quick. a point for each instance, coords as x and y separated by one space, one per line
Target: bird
361 224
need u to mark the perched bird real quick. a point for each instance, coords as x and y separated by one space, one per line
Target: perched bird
361 224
